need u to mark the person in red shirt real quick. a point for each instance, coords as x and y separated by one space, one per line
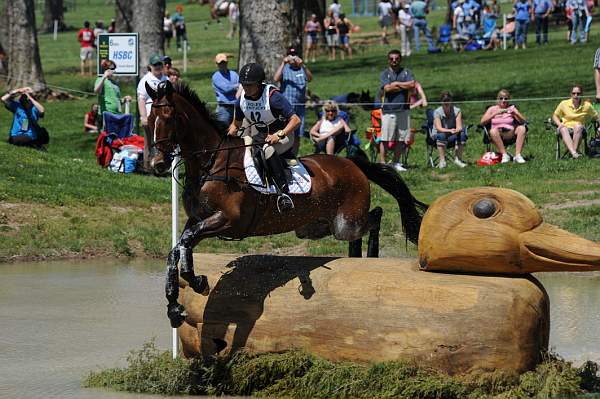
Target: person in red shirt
86 39
90 120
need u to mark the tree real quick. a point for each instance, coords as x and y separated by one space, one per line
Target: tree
147 21
264 33
53 10
124 15
24 64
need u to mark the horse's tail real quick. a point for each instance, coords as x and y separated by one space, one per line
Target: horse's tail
386 177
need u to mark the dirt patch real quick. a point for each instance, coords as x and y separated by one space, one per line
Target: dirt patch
572 204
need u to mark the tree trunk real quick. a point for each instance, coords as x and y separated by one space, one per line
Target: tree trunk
24 64
297 21
147 21
264 33
53 10
124 15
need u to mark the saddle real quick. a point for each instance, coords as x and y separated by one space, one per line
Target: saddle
255 166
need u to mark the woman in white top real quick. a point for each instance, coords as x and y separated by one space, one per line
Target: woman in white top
327 132
404 25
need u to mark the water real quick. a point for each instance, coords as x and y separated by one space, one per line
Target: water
60 320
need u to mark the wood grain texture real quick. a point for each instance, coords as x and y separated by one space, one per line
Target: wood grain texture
457 235
366 311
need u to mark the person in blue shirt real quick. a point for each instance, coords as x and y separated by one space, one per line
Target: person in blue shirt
419 11
294 76
180 29
27 111
522 10
226 84
541 11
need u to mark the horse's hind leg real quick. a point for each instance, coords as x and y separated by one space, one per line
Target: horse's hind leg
175 311
355 248
374 226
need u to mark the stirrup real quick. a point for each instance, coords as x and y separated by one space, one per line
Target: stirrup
284 203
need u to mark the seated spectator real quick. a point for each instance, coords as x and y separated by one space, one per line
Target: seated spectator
109 93
497 35
25 130
570 116
327 133
448 130
506 124
173 75
417 97
90 120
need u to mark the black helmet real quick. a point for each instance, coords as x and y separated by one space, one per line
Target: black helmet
252 74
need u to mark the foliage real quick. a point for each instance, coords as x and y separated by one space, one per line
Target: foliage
296 374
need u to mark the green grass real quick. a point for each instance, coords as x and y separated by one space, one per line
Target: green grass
296 374
61 204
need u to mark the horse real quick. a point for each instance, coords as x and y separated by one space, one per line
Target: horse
220 202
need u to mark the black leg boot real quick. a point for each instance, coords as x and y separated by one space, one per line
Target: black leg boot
277 172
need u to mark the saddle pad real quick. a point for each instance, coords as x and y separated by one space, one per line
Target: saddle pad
300 183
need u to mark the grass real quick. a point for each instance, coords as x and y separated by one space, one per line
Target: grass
61 204
296 374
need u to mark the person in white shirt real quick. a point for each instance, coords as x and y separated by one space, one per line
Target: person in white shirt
405 24
154 76
336 7
234 15
168 30
384 11
329 131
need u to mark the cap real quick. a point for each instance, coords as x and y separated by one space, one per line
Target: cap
155 59
166 59
220 58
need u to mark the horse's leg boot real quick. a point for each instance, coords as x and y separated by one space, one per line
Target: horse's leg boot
355 248
198 283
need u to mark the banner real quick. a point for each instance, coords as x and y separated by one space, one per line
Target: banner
122 48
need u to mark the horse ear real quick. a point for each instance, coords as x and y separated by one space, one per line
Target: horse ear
169 89
151 92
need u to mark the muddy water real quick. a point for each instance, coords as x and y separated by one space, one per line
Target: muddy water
59 320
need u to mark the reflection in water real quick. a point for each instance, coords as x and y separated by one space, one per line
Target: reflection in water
60 320
574 315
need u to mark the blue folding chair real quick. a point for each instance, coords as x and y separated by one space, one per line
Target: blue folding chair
342 140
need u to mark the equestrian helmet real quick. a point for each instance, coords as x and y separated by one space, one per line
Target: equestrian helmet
252 73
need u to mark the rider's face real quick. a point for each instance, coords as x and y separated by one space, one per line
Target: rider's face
252 90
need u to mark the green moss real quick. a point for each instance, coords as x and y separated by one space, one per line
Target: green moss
296 374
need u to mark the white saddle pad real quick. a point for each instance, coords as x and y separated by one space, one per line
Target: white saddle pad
300 183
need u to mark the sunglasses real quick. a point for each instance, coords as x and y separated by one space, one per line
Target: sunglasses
576 93
502 98
394 59
333 111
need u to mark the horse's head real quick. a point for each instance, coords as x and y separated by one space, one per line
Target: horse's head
162 122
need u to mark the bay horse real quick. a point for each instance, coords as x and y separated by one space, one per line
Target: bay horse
220 202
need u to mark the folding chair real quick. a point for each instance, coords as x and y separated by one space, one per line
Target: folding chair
342 140
584 139
431 155
445 34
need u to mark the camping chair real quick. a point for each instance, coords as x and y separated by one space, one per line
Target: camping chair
342 140
444 37
431 157
584 139
117 125
487 140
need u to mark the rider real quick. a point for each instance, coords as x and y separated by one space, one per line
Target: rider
261 102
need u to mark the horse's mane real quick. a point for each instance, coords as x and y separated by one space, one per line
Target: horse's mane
185 91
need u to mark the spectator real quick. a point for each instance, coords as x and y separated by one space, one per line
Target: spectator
395 120
331 34
99 29
405 22
168 31
112 28
471 11
588 19
570 116
580 12
336 8
417 97
225 84
419 12
180 28
507 123
541 11
167 62
86 39
448 130
25 130
498 34
90 121
458 20
154 76
294 76
489 20
234 17
597 74
522 10
312 30
173 75
384 11
329 131
109 93
344 26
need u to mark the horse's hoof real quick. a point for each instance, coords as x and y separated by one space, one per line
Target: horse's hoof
177 315
201 285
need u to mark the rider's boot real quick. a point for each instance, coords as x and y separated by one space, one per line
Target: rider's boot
275 165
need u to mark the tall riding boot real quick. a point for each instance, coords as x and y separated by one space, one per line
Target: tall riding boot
277 172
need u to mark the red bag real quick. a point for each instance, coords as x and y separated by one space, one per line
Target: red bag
489 158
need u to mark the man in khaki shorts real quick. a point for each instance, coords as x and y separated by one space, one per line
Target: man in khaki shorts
395 115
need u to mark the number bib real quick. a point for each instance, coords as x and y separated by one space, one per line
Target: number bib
259 110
